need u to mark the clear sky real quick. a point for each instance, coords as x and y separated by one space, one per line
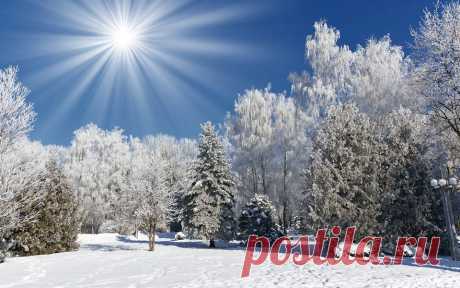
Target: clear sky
190 61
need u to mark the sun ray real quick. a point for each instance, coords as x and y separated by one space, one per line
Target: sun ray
143 56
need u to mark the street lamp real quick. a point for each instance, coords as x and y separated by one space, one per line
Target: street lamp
446 186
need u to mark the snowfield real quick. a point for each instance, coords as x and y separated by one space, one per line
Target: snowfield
110 260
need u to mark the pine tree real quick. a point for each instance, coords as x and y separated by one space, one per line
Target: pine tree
209 203
258 217
57 225
342 185
410 206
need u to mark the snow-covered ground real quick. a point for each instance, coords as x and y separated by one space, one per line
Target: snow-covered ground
109 260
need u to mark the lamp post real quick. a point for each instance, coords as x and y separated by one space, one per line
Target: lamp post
445 187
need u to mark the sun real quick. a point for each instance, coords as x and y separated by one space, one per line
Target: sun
124 38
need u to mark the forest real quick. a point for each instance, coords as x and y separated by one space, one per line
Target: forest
355 142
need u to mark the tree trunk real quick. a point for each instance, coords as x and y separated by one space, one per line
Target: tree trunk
254 180
212 243
152 237
450 225
285 216
264 182
285 201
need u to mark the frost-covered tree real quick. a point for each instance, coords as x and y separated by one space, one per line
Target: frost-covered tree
177 157
156 181
330 65
16 173
209 203
250 132
377 76
16 115
97 166
342 185
437 54
409 205
148 188
19 174
258 217
291 149
57 224
268 143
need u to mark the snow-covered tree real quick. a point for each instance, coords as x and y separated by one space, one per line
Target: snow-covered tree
342 185
157 180
250 132
291 150
377 76
409 205
57 224
258 217
97 166
268 143
16 115
330 65
437 53
209 202
16 171
177 157
149 191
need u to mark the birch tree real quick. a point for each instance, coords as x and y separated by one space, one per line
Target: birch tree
97 167
376 76
437 54
16 119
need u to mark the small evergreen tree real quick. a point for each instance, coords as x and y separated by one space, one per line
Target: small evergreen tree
208 211
258 218
57 224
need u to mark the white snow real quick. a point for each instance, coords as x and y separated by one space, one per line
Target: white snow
110 260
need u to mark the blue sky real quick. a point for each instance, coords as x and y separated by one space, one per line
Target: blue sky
223 49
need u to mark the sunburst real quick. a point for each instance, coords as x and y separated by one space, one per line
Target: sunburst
137 59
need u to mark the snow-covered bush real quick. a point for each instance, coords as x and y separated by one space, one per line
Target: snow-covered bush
179 236
57 224
258 218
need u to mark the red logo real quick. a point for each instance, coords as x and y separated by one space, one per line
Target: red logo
366 251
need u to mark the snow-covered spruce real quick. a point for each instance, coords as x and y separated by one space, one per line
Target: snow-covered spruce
258 218
57 223
349 181
409 205
208 211
342 182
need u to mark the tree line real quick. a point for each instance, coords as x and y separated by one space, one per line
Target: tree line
355 142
